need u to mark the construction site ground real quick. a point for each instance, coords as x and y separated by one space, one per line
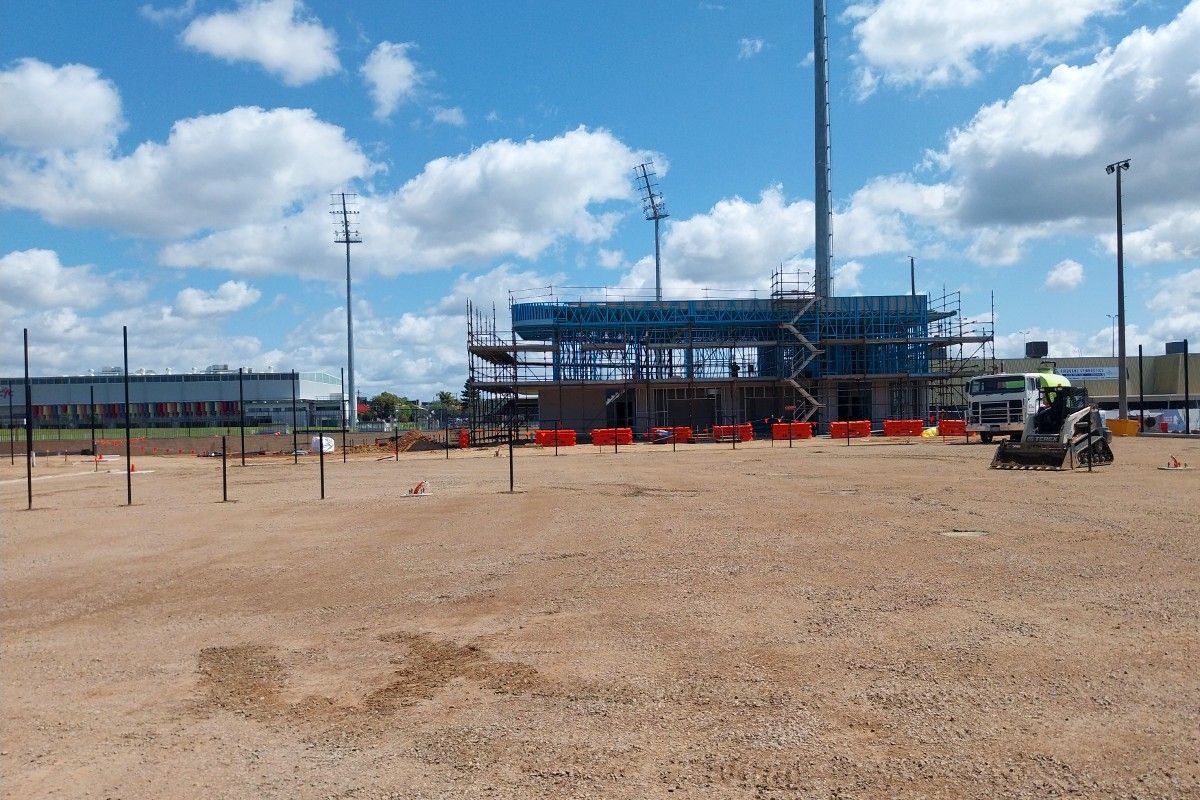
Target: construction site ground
884 619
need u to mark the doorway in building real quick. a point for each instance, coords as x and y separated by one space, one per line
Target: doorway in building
620 408
853 401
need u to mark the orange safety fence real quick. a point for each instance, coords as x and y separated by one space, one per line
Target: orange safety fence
603 436
563 437
744 432
667 435
952 427
903 427
799 430
858 429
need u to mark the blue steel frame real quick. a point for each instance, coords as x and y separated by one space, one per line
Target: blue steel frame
697 339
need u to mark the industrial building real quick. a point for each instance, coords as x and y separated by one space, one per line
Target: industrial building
211 398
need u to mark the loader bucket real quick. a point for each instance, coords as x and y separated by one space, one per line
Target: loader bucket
1031 455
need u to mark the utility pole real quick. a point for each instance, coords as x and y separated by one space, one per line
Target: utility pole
346 235
655 209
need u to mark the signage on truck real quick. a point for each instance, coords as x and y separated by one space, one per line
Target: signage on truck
1088 373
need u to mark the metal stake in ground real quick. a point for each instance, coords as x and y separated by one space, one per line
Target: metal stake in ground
321 450
511 478
396 439
92 419
224 474
28 426
555 437
242 413
295 432
12 439
446 434
128 450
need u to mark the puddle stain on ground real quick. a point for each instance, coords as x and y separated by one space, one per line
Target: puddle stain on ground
250 679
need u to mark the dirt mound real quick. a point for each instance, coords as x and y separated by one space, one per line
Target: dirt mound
409 441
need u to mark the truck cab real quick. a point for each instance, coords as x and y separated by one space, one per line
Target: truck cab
997 405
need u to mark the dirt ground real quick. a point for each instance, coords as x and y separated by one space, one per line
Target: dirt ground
879 620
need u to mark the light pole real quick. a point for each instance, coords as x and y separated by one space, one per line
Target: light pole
1123 391
1113 317
1024 343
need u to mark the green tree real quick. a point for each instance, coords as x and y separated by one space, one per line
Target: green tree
383 407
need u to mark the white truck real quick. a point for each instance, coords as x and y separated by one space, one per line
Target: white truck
998 404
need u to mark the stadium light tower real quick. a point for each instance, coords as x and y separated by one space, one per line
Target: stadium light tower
344 234
1118 167
652 204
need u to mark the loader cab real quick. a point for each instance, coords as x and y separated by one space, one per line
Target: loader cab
1058 403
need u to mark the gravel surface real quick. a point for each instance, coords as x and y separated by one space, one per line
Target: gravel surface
887 619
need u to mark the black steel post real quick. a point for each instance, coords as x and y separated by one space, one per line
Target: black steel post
396 437
128 449
342 412
92 417
12 426
1187 394
224 474
511 477
28 426
242 413
321 450
1141 394
556 437
295 430
446 434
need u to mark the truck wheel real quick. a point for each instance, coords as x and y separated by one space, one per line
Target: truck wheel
986 438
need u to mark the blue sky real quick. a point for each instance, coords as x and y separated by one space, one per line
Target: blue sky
168 167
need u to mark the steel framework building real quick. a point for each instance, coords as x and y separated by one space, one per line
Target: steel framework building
617 360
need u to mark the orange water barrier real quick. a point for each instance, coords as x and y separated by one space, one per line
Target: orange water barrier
952 427
561 437
858 429
667 435
799 430
744 432
603 436
903 427
464 439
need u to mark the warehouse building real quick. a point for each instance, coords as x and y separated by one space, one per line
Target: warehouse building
212 398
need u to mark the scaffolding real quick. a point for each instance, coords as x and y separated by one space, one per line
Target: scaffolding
965 348
602 358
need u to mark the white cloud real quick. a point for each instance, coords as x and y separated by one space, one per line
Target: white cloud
505 199
229 297
36 279
275 34
449 116
1173 237
1065 275
736 243
846 278
167 14
1031 166
214 171
1177 306
937 42
51 108
749 48
391 76
610 259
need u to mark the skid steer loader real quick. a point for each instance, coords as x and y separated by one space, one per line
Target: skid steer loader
1067 432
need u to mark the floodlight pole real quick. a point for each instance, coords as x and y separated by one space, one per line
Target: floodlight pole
1122 390
348 237
656 210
